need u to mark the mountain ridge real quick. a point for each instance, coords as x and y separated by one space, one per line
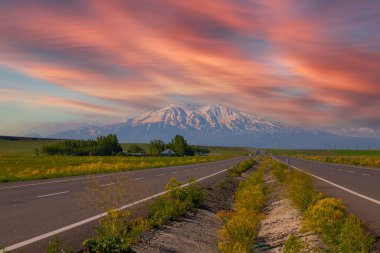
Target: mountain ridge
214 125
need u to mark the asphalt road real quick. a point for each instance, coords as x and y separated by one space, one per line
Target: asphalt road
358 187
35 210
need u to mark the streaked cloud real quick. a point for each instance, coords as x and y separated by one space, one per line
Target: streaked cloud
312 63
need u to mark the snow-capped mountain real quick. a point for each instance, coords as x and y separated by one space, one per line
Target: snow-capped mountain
212 125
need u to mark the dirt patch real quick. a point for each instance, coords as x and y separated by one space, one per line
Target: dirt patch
281 220
195 232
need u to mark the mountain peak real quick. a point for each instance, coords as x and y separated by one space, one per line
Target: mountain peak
210 125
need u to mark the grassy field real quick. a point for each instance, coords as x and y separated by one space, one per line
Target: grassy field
19 161
369 158
22 146
26 167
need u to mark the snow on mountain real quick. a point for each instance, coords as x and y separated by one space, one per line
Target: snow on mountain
205 117
212 125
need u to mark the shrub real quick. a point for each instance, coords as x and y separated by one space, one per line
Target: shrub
116 233
293 245
241 167
353 238
279 170
239 233
176 202
326 218
301 190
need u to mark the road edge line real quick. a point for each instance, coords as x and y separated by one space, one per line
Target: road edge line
82 222
334 184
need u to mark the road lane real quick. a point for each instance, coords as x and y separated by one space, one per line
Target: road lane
347 183
23 216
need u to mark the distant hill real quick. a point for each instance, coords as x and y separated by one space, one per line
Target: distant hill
216 125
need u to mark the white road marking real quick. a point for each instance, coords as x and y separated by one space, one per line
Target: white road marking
160 175
174 172
79 223
52 194
102 185
195 168
139 178
364 174
336 185
350 171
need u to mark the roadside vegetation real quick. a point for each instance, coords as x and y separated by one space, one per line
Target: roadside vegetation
369 158
28 167
116 232
241 226
26 159
327 217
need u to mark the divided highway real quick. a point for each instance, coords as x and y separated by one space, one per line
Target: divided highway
358 187
33 212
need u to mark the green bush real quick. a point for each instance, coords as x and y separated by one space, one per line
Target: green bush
301 190
116 233
293 245
242 167
279 170
240 232
176 202
353 238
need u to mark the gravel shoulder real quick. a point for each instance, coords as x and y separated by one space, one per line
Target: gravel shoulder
196 232
281 220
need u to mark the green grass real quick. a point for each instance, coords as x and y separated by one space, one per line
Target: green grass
19 161
22 146
26 167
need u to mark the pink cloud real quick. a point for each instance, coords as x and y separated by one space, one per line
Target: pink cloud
282 59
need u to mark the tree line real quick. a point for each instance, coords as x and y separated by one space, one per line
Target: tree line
109 145
102 146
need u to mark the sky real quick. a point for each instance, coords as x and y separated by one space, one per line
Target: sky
310 63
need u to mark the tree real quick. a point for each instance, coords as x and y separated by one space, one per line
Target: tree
135 149
156 147
180 146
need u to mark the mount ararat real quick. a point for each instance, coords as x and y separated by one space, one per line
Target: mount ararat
216 125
